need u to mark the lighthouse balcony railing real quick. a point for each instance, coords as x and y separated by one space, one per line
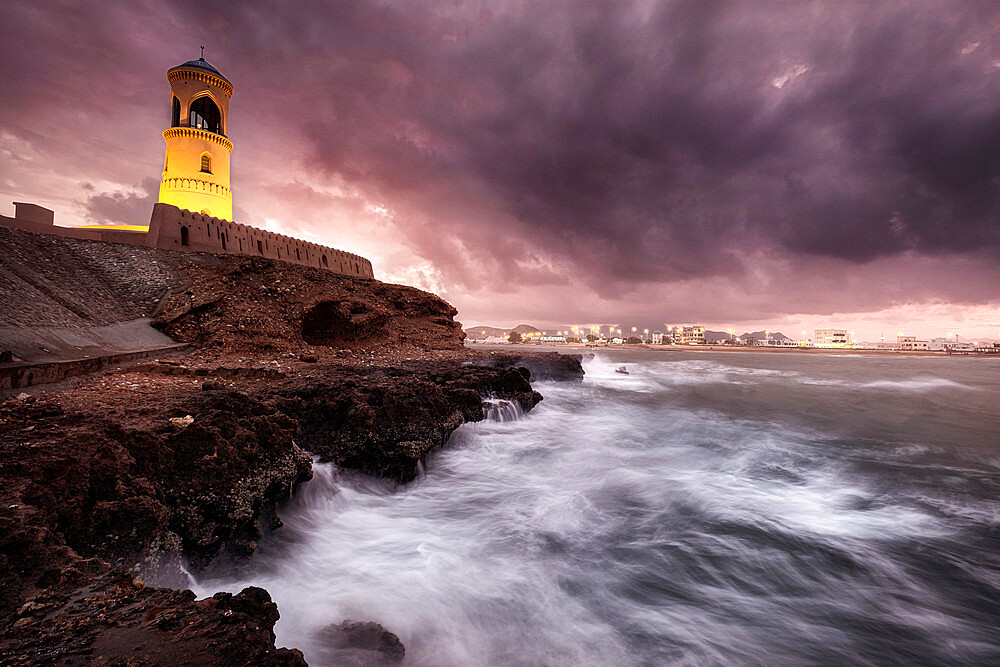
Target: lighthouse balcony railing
198 133
195 127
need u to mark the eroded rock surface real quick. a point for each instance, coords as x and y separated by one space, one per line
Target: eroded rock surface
117 620
134 468
361 644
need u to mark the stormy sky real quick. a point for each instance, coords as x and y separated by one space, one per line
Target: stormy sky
782 165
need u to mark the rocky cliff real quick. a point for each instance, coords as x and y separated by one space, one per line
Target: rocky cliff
133 469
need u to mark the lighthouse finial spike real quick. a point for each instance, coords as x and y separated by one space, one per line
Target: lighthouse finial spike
202 53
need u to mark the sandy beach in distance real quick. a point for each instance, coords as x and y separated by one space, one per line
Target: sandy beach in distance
733 348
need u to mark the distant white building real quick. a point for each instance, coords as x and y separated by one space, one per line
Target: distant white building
939 343
949 344
770 341
904 343
832 338
657 337
911 343
552 339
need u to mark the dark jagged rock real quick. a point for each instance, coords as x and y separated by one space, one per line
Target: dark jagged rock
542 365
127 488
190 456
361 644
117 620
262 306
386 421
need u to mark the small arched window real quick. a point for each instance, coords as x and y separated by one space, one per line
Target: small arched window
175 113
325 262
185 236
206 163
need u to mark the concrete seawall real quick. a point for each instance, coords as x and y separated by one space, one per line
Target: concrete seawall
27 374
50 354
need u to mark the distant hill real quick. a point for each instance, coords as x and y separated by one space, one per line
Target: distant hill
712 337
477 332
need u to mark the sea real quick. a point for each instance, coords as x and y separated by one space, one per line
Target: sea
704 508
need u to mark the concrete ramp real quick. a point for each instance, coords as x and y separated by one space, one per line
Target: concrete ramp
59 343
50 354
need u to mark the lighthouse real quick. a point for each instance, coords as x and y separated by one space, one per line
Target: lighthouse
196 166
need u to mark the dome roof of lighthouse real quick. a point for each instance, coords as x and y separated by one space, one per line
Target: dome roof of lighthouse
201 64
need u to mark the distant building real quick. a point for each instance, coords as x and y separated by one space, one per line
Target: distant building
693 335
832 338
768 340
552 339
910 343
939 343
904 343
954 343
657 337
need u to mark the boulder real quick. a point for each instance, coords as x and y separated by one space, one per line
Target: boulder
361 644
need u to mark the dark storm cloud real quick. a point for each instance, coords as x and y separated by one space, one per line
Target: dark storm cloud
656 138
595 142
121 208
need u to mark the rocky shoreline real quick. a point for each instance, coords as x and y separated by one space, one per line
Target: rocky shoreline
126 473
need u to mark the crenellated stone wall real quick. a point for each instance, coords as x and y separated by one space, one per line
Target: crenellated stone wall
171 228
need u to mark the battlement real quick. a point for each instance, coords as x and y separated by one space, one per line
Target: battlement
171 228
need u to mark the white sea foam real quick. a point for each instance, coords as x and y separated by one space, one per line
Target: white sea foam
918 384
501 409
689 512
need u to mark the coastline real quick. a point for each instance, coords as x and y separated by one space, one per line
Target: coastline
113 481
579 348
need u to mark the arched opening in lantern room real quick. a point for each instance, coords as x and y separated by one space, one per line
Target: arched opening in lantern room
205 115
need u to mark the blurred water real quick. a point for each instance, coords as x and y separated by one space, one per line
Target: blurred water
705 508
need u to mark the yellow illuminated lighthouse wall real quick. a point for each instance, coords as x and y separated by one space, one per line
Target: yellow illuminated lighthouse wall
196 166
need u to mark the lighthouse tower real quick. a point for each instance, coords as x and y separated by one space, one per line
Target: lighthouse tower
196 167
